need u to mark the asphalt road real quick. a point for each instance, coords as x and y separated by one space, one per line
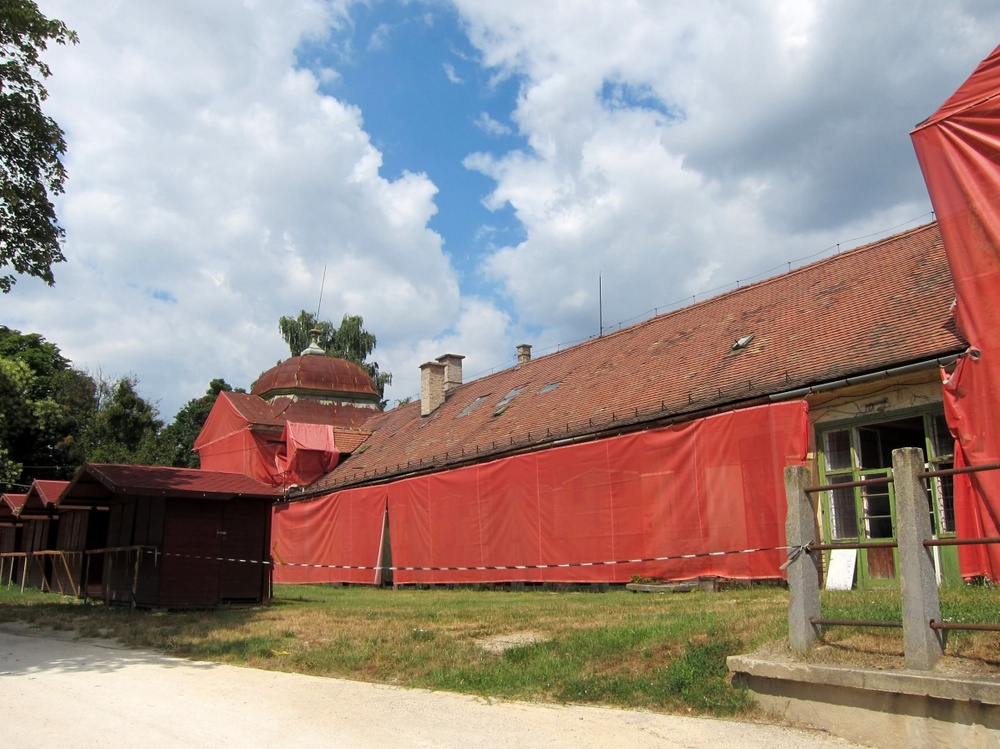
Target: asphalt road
59 692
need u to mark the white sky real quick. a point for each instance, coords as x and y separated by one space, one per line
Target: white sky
671 148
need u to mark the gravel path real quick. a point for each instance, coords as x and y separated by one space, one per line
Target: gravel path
60 692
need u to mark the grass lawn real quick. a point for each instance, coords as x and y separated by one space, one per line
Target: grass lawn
657 651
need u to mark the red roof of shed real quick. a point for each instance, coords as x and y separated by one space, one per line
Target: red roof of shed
107 481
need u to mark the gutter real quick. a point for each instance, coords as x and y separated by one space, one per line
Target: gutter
943 361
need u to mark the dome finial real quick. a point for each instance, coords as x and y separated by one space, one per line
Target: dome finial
314 348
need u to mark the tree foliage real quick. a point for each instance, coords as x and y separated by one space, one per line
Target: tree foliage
54 418
31 145
349 341
37 413
124 427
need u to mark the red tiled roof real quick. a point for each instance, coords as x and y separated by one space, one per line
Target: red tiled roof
323 374
12 502
43 495
259 412
49 491
872 308
105 480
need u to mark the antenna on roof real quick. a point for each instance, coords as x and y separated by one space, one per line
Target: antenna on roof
321 285
600 305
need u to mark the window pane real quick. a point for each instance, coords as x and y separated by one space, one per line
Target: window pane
837 448
945 487
942 443
878 511
870 441
843 512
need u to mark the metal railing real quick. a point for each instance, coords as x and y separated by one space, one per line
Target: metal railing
923 630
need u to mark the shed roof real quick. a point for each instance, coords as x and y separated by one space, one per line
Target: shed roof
10 504
876 307
42 497
100 483
13 502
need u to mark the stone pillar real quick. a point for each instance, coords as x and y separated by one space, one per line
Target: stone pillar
431 387
804 569
922 646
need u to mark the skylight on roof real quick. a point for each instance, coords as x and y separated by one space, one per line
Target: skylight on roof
549 388
475 404
504 402
743 342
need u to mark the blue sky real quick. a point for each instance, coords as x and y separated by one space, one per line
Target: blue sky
428 103
465 170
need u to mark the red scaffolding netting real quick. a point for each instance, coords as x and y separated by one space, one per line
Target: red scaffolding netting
306 453
959 152
709 485
227 442
339 530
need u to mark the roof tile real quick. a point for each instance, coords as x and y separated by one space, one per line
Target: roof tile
875 307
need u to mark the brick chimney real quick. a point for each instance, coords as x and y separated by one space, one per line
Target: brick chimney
432 387
523 353
452 370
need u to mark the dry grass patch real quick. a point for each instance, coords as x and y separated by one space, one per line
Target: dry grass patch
657 651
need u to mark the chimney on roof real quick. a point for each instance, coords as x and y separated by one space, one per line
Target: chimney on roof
523 353
452 370
432 388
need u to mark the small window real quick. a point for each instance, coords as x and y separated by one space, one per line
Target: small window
942 443
549 388
843 513
504 403
743 342
837 448
474 405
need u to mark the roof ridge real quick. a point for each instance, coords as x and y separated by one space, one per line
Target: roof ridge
809 267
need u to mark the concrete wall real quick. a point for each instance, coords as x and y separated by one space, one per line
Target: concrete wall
883 709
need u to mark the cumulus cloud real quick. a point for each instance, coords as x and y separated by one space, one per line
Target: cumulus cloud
677 147
667 149
211 182
491 126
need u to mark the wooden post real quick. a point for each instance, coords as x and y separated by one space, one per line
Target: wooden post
69 575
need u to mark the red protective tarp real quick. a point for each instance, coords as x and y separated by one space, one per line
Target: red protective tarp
227 443
713 484
307 453
710 485
959 153
338 532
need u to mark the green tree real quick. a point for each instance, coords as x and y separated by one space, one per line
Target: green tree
349 341
124 427
178 437
43 404
31 145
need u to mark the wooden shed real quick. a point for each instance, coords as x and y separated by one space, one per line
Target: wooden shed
174 537
38 538
11 557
